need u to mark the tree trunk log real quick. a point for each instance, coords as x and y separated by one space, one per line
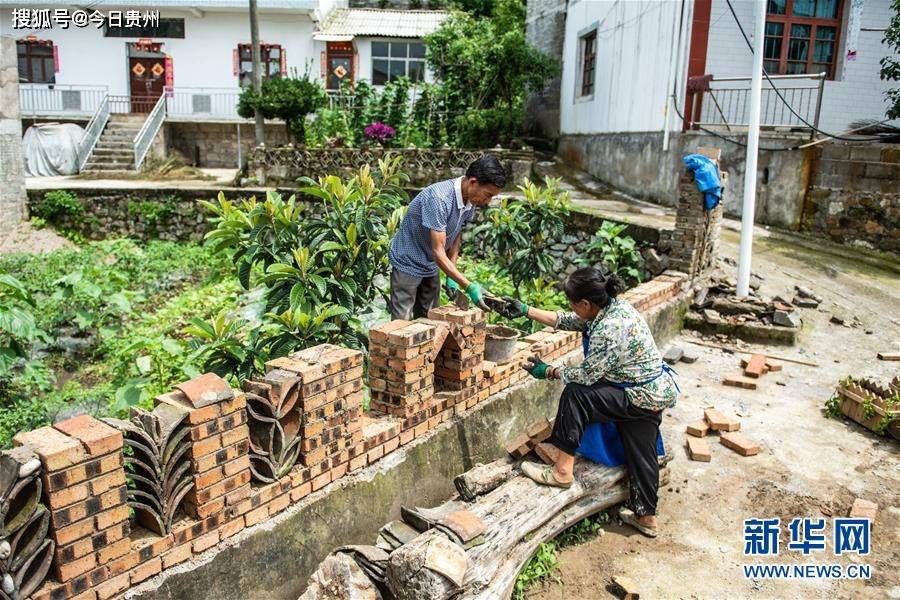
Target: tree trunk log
484 478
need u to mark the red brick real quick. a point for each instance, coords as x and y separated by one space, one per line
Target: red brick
67 535
698 428
67 571
73 551
279 504
208 509
519 446
176 555
756 366
113 551
231 528
739 444
68 496
539 431
206 389
112 587
257 515
97 437
123 564
113 516
391 444
205 541
773 366
718 421
56 450
379 334
421 429
375 453
220 457
235 435
87 595
301 491
321 481
698 449
106 482
146 570
547 452
863 509
739 382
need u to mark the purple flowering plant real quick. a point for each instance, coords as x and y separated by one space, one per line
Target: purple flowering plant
379 132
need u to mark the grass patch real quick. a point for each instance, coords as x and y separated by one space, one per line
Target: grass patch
543 567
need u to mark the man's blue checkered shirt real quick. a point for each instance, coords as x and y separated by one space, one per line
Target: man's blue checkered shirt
439 207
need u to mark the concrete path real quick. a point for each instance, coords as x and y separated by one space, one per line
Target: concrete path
222 177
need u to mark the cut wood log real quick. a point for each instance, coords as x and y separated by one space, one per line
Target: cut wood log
484 478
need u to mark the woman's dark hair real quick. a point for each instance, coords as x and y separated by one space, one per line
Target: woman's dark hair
487 169
588 283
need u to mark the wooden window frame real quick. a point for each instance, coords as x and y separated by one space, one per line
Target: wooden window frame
588 64
788 19
24 50
265 58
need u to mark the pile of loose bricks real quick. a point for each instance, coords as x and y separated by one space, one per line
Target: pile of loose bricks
695 240
752 369
726 426
421 374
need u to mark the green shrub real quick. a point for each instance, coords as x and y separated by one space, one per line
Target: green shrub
287 98
617 252
318 275
57 204
519 233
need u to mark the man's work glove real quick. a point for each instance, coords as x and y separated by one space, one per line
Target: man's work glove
513 308
536 367
452 286
476 295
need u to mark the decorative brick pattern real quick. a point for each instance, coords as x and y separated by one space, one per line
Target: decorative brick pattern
84 488
219 443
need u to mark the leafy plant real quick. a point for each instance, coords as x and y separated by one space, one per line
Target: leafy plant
286 98
486 69
380 133
520 232
18 329
890 65
318 275
58 204
617 252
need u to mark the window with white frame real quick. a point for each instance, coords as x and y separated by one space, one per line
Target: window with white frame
588 47
392 60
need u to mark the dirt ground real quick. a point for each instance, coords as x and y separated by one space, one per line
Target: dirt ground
808 465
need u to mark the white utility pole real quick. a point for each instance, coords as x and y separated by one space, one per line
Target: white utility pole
749 209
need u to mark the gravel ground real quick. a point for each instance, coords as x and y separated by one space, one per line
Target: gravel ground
808 465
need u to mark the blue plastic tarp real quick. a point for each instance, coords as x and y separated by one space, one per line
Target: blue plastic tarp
706 174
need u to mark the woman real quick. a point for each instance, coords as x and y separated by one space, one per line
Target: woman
622 380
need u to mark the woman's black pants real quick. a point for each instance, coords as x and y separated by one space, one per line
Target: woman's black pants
581 405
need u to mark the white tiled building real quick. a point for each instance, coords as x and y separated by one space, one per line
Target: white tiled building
196 55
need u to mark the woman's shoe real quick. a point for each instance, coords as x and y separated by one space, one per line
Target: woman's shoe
543 474
628 517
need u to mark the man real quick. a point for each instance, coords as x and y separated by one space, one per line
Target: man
429 239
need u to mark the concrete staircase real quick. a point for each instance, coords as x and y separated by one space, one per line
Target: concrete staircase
115 148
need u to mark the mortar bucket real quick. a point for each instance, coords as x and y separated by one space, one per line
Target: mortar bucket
500 343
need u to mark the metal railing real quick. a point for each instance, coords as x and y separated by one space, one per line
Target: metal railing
52 100
203 103
144 137
92 133
725 104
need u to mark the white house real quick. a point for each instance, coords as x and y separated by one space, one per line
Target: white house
622 61
196 55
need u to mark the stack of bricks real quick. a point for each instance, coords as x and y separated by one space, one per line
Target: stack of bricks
548 344
457 364
217 417
656 291
380 436
695 241
329 384
84 487
401 371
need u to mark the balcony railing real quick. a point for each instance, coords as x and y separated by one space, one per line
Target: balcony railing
192 103
725 102
59 100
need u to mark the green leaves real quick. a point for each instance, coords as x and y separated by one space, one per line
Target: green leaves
890 66
618 252
287 98
520 232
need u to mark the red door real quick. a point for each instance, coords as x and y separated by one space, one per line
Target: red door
147 75
340 64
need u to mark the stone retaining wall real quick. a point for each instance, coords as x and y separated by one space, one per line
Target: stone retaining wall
855 195
286 164
212 425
